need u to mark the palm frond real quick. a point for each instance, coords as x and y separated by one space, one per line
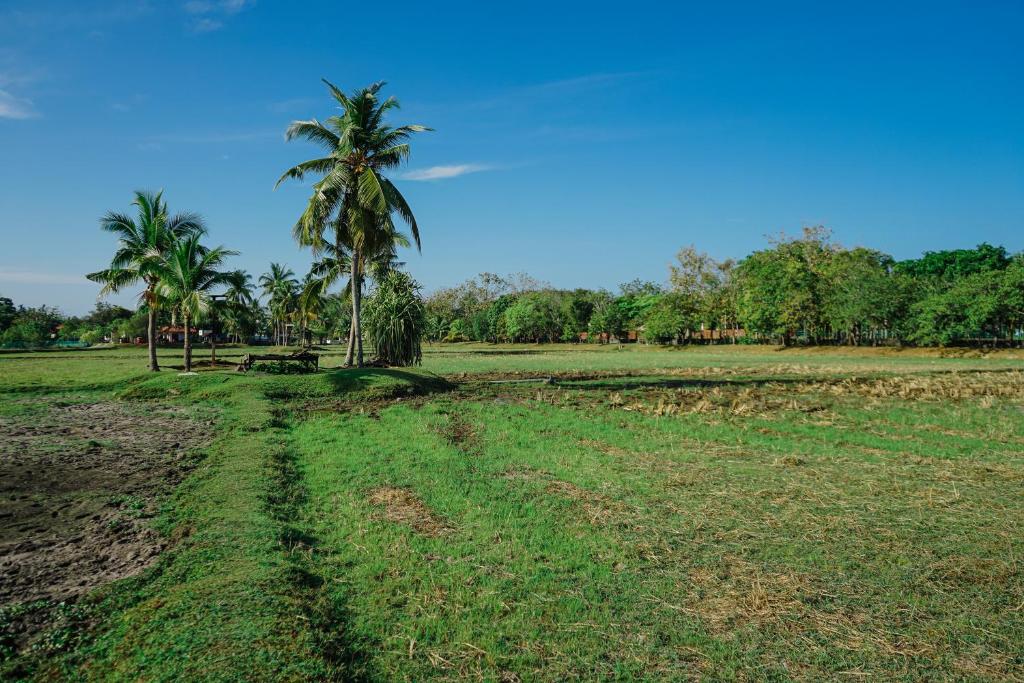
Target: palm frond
182 224
371 192
299 171
314 131
397 202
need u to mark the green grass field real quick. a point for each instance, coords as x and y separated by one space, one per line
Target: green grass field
651 514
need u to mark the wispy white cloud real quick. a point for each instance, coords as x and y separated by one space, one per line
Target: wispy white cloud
210 15
206 25
563 87
217 6
126 104
12 107
587 81
443 172
15 76
34 277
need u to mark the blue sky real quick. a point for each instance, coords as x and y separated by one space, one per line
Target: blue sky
582 142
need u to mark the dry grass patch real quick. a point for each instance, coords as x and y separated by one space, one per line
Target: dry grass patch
813 400
738 592
931 387
607 448
598 509
402 506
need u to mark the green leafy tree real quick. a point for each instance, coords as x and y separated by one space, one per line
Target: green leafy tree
956 263
970 308
862 293
607 318
105 314
708 285
7 313
670 318
143 241
1011 295
495 321
576 309
32 327
782 290
534 316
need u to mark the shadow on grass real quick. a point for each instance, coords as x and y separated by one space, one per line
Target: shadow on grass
376 381
325 613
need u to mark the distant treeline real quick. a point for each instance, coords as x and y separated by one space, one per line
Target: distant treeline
800 290
30 327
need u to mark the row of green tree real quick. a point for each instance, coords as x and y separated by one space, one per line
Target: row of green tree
804 289
23 326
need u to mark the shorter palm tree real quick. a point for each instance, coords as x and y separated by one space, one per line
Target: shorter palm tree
309 306
239 302
142 242
281 287
187 274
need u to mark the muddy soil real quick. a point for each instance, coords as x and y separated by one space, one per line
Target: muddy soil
78 484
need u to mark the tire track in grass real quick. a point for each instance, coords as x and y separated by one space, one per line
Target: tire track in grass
288 504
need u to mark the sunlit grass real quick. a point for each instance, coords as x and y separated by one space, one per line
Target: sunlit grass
653 514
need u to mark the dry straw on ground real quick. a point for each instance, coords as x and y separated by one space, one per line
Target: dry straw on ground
403 507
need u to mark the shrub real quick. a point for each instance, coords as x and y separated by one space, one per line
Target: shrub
396 320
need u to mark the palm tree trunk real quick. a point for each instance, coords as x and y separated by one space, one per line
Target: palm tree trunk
151 330
151 333
351 345
354 333
357 304
188 348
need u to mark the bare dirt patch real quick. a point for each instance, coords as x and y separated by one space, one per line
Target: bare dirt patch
402 506
78 483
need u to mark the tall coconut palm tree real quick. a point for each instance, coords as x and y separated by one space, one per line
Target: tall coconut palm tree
280 286
142 242
353 197
186 275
